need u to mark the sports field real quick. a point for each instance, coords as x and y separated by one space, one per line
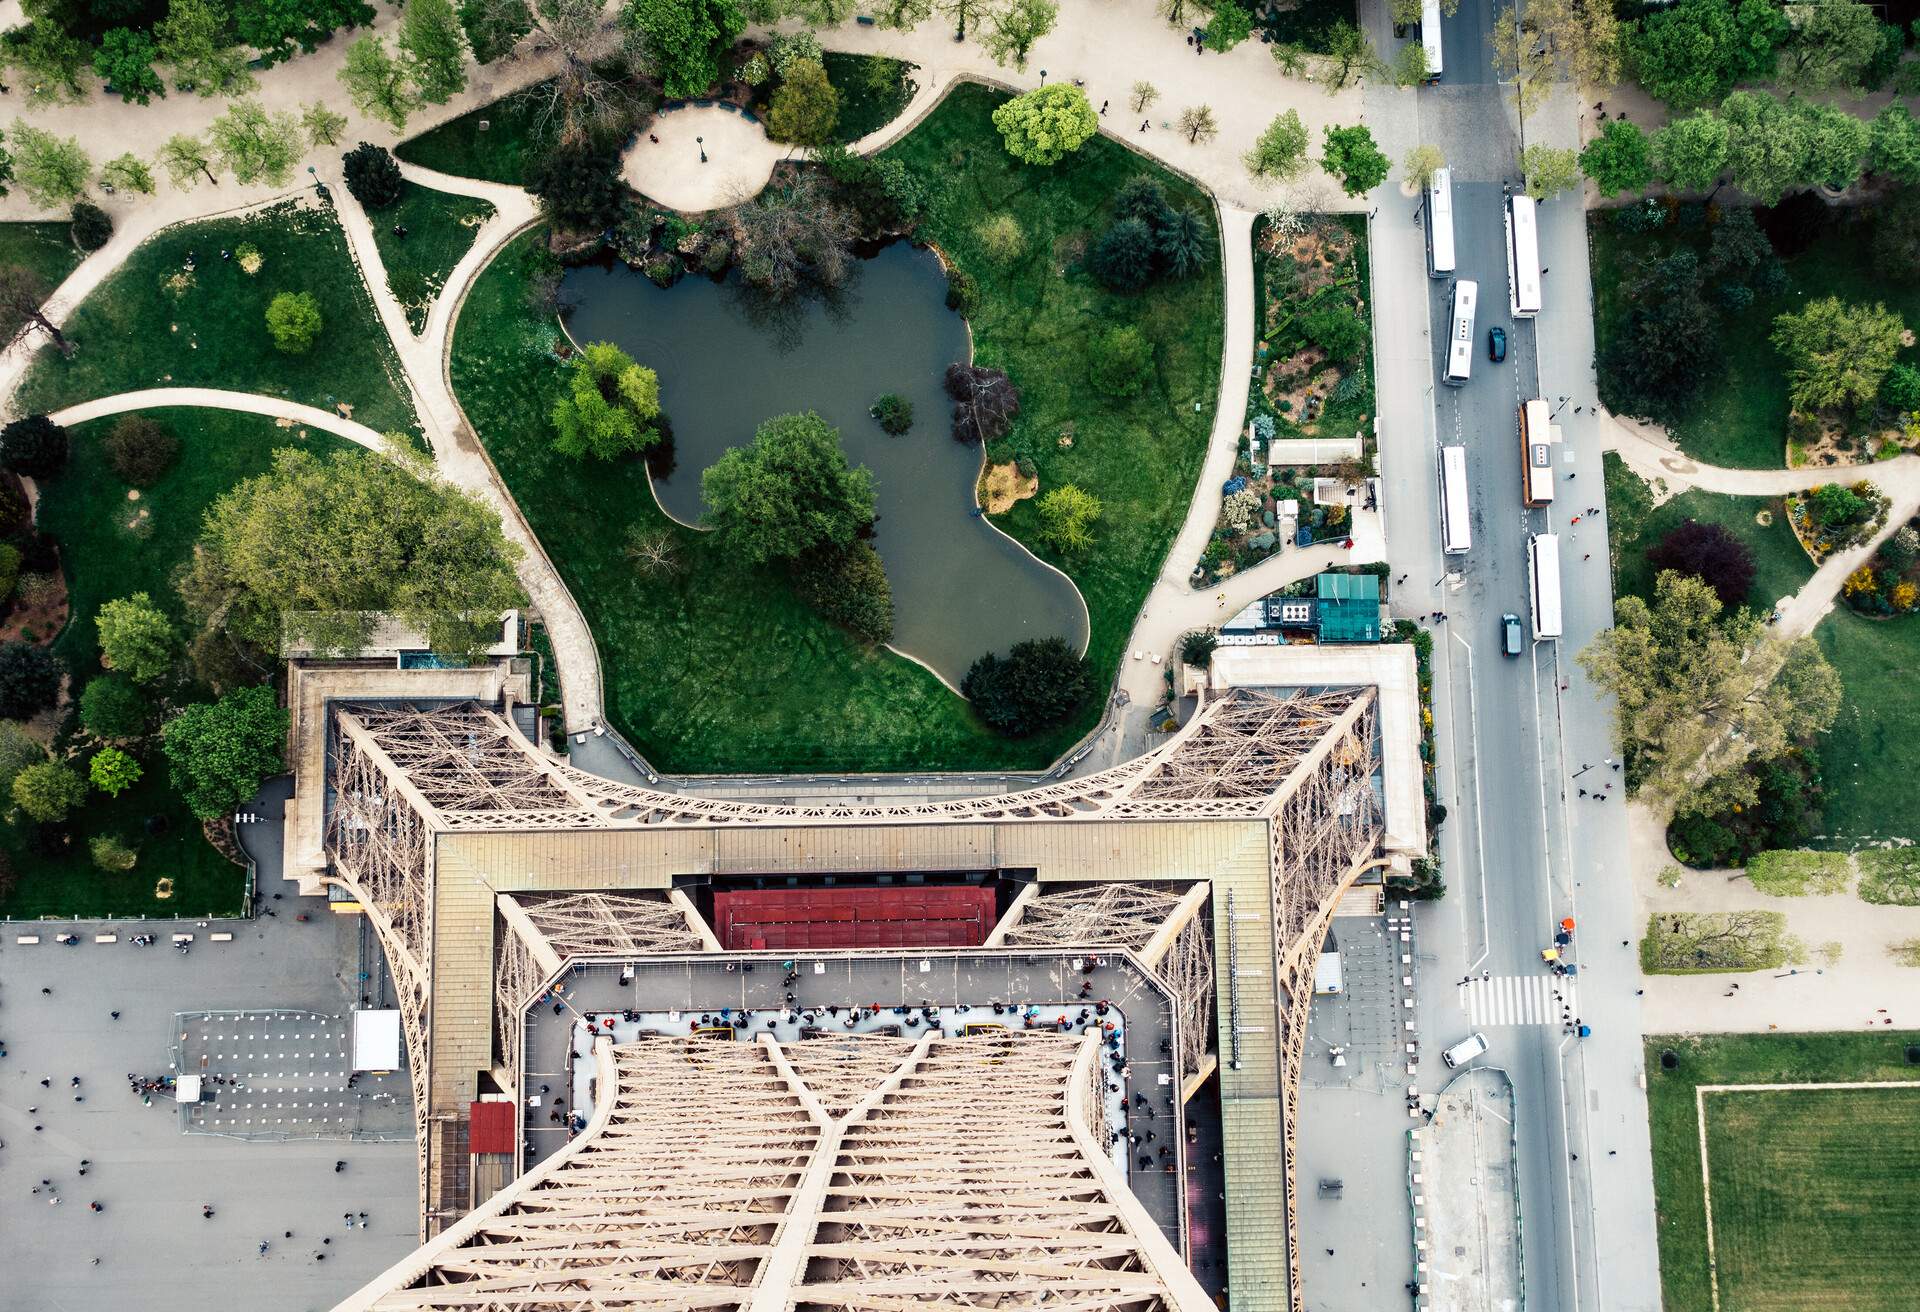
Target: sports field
1808 1199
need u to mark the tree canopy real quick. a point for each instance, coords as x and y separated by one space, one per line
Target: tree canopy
1837 354
1281 151
1350 156
1015 26
1690 153
136 637
1619 159
788 491
1709 552
219 753
805 105
1045 126
1036 685
684 40
1692 53
609 406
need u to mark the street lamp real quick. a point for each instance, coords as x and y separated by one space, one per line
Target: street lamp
701 142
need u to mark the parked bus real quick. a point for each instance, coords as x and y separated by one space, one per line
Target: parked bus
1538 438
1440 224
1523 257
1543 584
1456 535
1460 340
1430 36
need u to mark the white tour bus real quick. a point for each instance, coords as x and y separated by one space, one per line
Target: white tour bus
1440 224
1523 257
1538 438
1456 535
1543 583
1460 340
1430 36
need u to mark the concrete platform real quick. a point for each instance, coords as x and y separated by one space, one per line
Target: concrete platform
1468 1191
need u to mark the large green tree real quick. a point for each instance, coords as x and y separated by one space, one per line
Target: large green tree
257 144
52 170
684 39
1550 170
1769 146
1894 144
1692 53
1036 685
609 406
1690 153
125 61
136 637
276 28
316 547
219 753
1619 159
1045 126
49 791
787 492
1837 353
1281 151
1831 47
435 49
46 59
805 105
378 83
196 42
1350 157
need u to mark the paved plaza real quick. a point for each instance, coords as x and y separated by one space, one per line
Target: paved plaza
150 1179
286 1075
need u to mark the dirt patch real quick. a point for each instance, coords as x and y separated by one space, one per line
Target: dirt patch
39 609
1001 486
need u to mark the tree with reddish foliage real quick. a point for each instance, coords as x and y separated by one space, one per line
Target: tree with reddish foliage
1711 553
985 403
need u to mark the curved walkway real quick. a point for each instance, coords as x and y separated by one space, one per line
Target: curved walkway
211 398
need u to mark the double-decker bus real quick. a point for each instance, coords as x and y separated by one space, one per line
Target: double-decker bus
1430 36
1440 224
1523 257
1460 339
1456 535
1543 584
1538 438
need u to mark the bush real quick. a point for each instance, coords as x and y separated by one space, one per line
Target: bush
963 293
114 706
372 176
1338 331
111 853
91 227
29 680
113 771
136 637
1900 389
578 185
848 586
293 319
1836 505
221 752
18 750
1001 238
1067 516
893 412
1902 549
48 791
1710 552
1197 647
34 446
1120 362
141 450
1036 685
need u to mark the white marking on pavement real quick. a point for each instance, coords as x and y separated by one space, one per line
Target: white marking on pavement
1519 1000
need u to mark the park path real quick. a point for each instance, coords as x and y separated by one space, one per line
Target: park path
213 398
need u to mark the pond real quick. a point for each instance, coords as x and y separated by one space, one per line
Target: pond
961 588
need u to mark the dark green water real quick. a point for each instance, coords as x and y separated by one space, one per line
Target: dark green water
960 587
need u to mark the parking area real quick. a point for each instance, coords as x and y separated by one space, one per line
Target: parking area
99 1012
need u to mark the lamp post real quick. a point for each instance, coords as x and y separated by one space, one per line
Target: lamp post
702 143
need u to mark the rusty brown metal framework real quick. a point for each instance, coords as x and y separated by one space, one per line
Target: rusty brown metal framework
865 1174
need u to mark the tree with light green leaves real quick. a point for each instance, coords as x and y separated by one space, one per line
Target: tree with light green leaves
1281 150
1619 159
136 637
187 159
822 13
1830 47
1837 143
256 144
52 170
128 173
1837 354
1228 24
1690 154
434 49
1349 156
902 15
379 84
48 792
1347 56
1894 144
609 407
113 771
1016 25
805 106
1067 516
194 41
1550 170
294 322
47 60
1421 163
684 40
322 126
1047 125
787 492
1197 124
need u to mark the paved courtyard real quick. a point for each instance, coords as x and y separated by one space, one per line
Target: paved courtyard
286 1074
150 1179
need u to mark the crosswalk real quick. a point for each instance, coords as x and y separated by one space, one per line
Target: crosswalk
1519 999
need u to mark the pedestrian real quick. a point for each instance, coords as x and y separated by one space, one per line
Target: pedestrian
654 139
1545 272
46 993
1143 124
1576 519
1103 109
1588 556
114 1014
1583 792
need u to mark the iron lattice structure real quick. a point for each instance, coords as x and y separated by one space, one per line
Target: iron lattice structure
1304 762
858 1173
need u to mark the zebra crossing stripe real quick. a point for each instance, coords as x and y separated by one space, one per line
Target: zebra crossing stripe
1541 999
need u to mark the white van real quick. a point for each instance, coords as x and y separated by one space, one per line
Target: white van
1466 1050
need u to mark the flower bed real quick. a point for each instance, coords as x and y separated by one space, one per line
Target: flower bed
1831 517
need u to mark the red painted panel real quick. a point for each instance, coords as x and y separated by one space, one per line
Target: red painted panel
779 919
490 1127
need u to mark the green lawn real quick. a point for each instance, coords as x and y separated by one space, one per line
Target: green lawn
1634 526
502 152
104 557
1872 753
863 107
1813 1204
44 249
152 324
440 229
720 668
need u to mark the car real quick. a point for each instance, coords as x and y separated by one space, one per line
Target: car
1511 639
1497 344
1465 1050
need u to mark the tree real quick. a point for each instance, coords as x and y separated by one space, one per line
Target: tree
587 99
1698 695
255 144
29 680
1281 151
1198 123
136 637
293 319
577 185
788 492
1036 685
1836 143
1410 66
48 59
49 791
963 12
1830 47
114 707
1229 24
1197 647
848 586
1549 170
1421 163
1120 362
379 84
1894 144
805 106
655 553
1338 331
1045 126
1690 154
435 50
23 295
793 235
1017 24
1664 346
18 750
985 403
372 175
1837 353
1067 516
312 549
1619 159
1836 505
1142 95
609 406
113 771
275 28
194 42
1583 36
90 226
127 172
219 753
1694 52
902 15
1348 55
1711 553
1123 257
125 61
893 412
52 170
1001 238
1900 393
323 127
113 853
1349 155
1183 243
820 13
34 446
1741 255
187 159
684 39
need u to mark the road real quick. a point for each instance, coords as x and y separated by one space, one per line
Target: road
1521 847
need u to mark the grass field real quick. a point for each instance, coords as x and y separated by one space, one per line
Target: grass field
151 324
1813 1204
440 228
1635 525
43 249
1872 754
720 667
865 108
87 510
502 152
